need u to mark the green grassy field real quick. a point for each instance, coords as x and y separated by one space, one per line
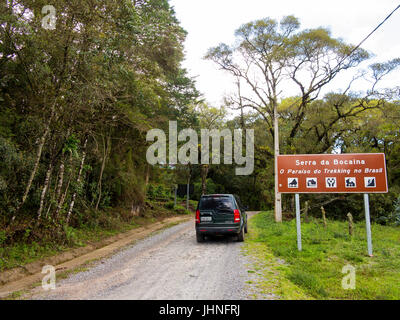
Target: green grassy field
317 270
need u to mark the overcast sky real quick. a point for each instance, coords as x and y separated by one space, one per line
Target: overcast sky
210 22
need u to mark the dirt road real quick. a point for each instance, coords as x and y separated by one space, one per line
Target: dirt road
170 265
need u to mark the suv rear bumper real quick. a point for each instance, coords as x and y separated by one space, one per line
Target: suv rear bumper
218 230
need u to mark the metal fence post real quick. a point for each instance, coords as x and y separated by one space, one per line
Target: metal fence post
176 191
368 224
298 221
187 196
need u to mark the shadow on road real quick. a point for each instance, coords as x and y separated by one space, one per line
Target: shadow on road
220 239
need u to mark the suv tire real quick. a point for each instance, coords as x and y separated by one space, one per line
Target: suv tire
199 237
240 236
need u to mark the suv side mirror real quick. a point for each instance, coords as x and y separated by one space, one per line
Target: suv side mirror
245 208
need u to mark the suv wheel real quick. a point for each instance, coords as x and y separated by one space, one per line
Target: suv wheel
245 228
240 237
199 237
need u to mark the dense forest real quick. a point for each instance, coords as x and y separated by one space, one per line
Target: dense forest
77 101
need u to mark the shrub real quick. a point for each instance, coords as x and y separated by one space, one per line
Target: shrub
193 203
170 205
158 191
181 210
70 235
396 212
3 237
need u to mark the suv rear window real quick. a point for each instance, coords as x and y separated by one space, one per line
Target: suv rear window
217 202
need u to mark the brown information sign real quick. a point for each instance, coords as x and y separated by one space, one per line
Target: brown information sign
332 173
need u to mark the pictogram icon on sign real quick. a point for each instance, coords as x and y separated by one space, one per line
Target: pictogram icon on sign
351 182
331 182
312 182
370 182
293 183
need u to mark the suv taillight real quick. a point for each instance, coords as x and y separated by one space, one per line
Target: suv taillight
197 216
236 215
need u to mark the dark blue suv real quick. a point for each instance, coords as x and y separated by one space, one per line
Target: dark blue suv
220 214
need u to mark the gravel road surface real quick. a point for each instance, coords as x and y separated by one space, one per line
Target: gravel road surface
169 265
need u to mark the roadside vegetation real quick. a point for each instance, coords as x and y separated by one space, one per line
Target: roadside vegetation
317 270
101 225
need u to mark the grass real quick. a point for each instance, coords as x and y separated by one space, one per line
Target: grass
270 281
317 270
20 254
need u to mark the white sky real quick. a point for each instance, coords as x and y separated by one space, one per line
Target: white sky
210 22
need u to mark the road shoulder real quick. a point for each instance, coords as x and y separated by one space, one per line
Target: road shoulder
74 259
267 272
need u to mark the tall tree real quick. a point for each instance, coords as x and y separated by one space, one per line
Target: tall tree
266 53
77 100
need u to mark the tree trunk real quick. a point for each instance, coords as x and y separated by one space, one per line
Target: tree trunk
106 149
187 187
135 211
60 179
278 198
306 212
324 216
204 173
147 174
71 206
44 190
61 197
351 228
48 210
37 161
146 182
52 194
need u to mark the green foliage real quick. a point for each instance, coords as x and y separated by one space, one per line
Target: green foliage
3 237
193 203
158 191
181 210
71 145
12 168
92 188
76 103
212 187
70 236
170 205
395 217
308 281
